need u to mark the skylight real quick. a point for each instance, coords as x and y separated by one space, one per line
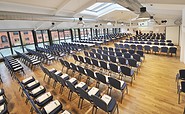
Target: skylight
101 8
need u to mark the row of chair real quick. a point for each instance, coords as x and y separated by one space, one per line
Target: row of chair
146 40
75 46
148 48
109 68
46 58
131 53
123 59
28 60
149 42
90 94
36 95
13 65
150 36
3 102
117 51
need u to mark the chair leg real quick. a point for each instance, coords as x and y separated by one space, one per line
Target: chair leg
79 102
117 109
179 98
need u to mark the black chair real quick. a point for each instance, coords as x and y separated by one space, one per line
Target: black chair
86 53
111 53
139 47
62 80
141 53
122 61
92 55
173 50
164 50
126 71
81 71
93 50
137 57
155 49
103 65
169 41
71 85
101 103
101 78
119 54
73 67
114 68
131 51
95 63
162 43
149 43
90 75
55 110
170 44
133 64
110 49
112 59
118 84
117 49
181 88
127 55
87 95
105 57
126 46
147 48
133 47
81 59
156 43
180 76
99 51
123 50
98 56
75 58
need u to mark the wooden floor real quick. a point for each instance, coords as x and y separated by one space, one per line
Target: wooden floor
153 92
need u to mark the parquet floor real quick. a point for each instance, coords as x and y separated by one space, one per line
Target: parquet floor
153 91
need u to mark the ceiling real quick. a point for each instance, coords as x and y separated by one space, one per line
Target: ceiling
161 10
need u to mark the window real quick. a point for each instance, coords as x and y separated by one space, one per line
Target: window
15 33
25 32
4 44
4 39
16 42
27 39
40 37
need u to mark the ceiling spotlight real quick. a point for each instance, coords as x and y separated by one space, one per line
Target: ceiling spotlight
81 22
109 23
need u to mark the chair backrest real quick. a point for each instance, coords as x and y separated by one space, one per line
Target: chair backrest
172 50
71 86
91 54
103 64
183 86
93 50
122 60
73 66
139 47
182 73
86 53
81 69
75 58
83 93
141 53
146 47
125 70
98 56
67 64
111 53
164 49
90 73
81 59
95 62
112 59
61 81
114 83
101 78
88 60
119 54
99 51
105 57
113 67
131 51
132 62
137 57
99 103
127 55
155 48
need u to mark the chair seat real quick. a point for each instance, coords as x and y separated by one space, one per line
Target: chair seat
37 91
52 108
28 80
3 109
111 102
52 70
65 76
43 99
82 85
94 91
32 85
1 92
65 112
2 100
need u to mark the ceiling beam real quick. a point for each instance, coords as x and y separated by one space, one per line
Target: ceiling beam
59 8
39 25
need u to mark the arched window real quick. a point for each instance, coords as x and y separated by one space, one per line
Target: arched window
4 39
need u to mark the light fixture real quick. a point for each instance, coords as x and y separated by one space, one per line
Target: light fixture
81 22
122 24
109 23
143 14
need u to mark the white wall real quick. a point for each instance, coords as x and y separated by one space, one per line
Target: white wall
172 33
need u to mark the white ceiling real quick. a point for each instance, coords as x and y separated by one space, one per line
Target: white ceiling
160 9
